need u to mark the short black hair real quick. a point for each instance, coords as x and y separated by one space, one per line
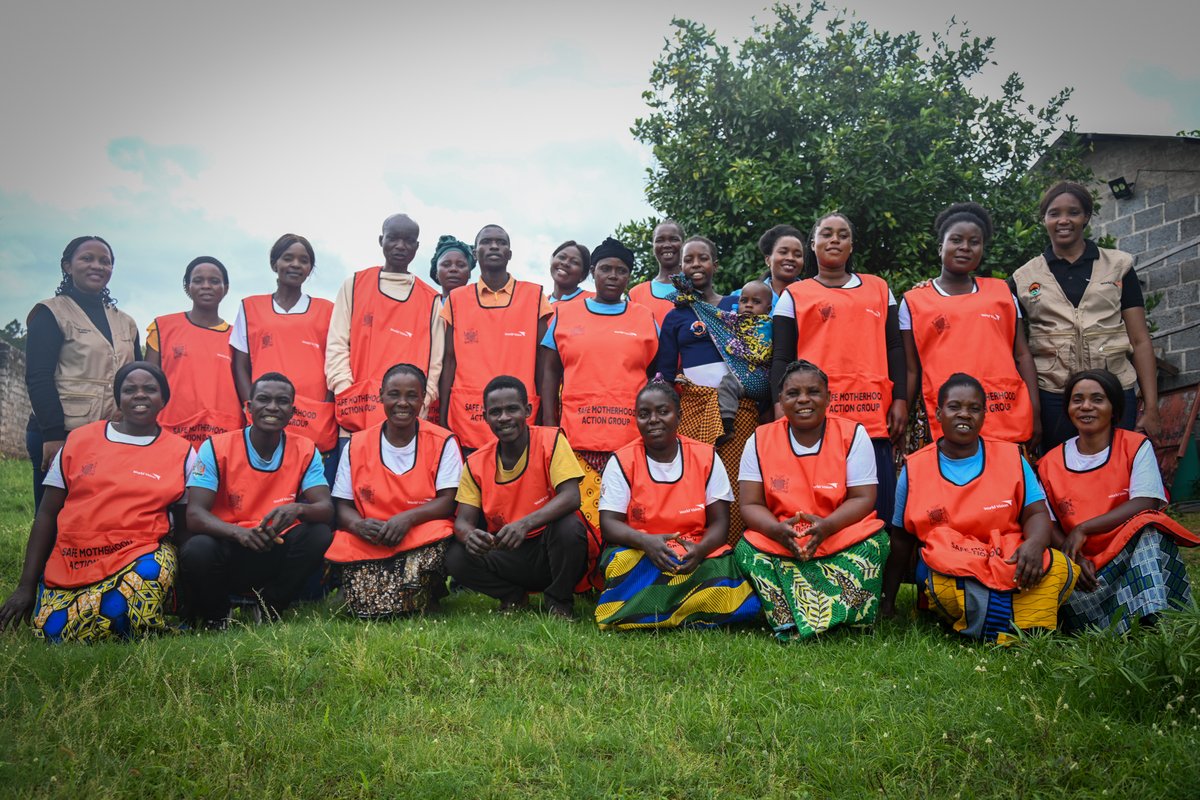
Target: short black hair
506 382
964 212
273 377
956 380
404 369
286 241
491 225
585 255
1108 382
801 365
665 389
195 262
712 248
767 242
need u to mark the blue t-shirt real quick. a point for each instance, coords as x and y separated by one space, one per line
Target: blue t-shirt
960 472
204 473
593 305
578 290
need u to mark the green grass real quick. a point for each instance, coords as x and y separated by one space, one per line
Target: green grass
474 705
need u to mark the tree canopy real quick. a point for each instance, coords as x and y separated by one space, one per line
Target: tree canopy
817 111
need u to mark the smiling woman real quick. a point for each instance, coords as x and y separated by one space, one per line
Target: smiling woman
97 564
77 340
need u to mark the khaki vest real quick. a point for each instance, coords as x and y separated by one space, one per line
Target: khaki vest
1065 339
87 363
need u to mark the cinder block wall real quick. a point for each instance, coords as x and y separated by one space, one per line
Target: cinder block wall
14 402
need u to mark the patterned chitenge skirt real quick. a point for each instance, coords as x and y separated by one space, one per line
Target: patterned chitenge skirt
402 584
700 419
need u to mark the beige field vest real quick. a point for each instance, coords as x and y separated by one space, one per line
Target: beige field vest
88 363
1065 339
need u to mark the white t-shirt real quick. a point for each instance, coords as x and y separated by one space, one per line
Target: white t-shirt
238 339
400 460
615 492
860 461
1144 478
905 316
786 307
54 476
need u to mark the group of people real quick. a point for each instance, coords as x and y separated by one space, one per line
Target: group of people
697 460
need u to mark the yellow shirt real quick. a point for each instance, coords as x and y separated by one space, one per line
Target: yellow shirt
498 298
563 467
152 332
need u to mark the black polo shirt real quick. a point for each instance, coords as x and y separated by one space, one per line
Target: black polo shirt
1074 277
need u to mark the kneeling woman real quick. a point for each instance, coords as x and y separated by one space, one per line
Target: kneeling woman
979 513
97 565
813 547
395 504
664 512
1105 488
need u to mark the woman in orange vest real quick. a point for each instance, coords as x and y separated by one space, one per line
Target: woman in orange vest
957 313
395 505
98 564
979 514
286 332
847 324
1105 489
192 347
813 548
658 294
77 340
596 354
449 268
664 515
569 265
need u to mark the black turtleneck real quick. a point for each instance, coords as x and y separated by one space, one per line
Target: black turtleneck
43 344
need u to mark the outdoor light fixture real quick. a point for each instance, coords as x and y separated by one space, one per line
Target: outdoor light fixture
1120 189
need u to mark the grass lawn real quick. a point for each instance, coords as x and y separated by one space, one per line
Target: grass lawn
474 705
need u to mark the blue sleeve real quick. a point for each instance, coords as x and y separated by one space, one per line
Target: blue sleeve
735 296
548 339
315 475
1033 487
901 498
204 471
668 347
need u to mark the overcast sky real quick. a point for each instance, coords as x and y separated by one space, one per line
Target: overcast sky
175 130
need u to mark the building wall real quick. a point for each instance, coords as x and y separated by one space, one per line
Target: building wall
1162 215
14 402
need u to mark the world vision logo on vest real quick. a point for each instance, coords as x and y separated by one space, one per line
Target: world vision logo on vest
937 515
151 475
827 312
941 324
997 506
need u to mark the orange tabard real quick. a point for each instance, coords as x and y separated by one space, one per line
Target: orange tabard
643 295
199 369
506 502
842 332
383 331
669 508
294 345
969 531
604 358
380 493
809 484
1079 496
116 506
245 495
972 333
490 342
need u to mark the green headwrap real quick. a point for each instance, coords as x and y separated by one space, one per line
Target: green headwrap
445 243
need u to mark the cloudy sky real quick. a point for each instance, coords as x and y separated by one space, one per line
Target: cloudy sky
175 130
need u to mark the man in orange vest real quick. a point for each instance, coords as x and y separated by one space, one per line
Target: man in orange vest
493 327
248 530
518 528
382 316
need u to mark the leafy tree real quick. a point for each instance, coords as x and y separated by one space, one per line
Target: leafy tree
14 334
806 117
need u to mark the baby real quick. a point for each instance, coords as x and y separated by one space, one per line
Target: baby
751 344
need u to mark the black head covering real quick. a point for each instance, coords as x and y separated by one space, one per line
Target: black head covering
124 371
611 248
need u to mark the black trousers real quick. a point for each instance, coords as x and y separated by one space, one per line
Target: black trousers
551 563
211 569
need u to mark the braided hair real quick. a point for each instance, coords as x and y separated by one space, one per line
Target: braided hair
69 253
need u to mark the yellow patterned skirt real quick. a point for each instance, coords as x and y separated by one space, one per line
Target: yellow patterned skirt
700 418
592 463
132 603
981 612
